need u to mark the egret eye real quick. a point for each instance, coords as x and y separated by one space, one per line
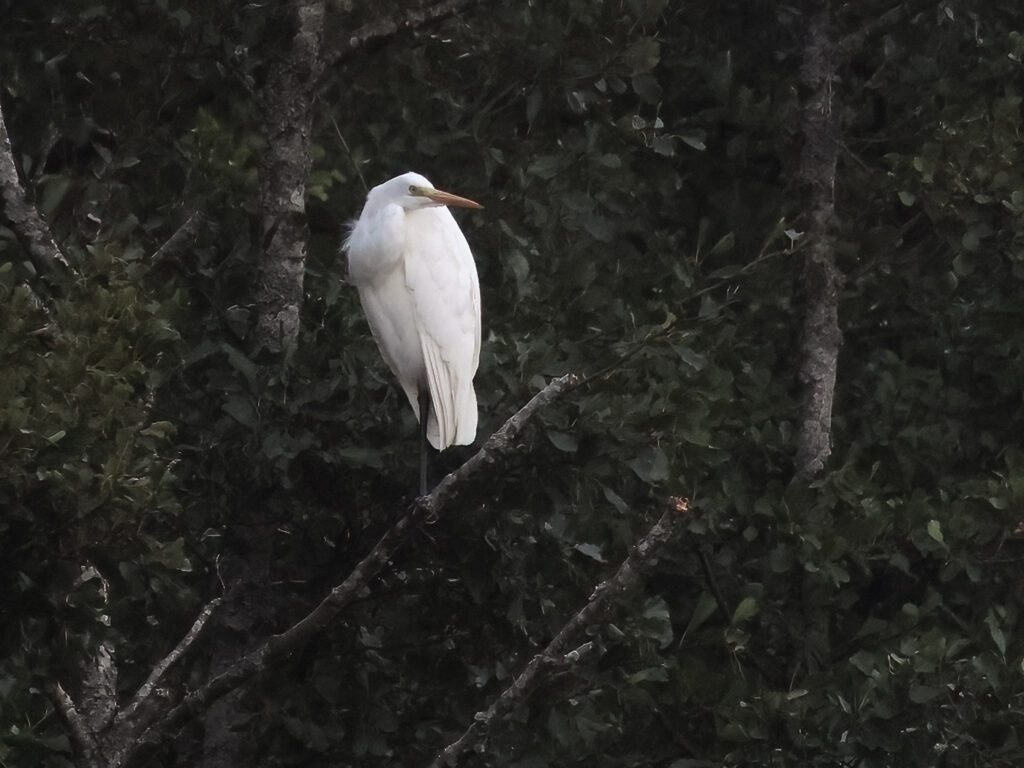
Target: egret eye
412 190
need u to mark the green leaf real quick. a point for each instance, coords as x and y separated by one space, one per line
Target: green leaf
563 441
241 409
663 145
241 363
651 674
996 631
160 429
935 531
747 607
724 245
590 550
652 468
56 437
657 621
642 55
694 139
705 608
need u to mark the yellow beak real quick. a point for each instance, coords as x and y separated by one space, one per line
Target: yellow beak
447 198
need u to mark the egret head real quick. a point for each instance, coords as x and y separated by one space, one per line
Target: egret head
412 191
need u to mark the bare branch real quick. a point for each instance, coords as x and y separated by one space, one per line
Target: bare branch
555 656
182 239
146 690
81 737
498 445
389 27
28 225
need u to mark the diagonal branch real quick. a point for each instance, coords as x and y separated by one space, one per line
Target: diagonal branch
145 692
500 444
556 656
81 736
25 220
382 29
184 237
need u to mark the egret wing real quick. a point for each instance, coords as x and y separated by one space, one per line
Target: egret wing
441 276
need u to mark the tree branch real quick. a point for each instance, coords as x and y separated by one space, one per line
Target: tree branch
501 443
555 657
81 737
288 99
182 239
389 27
145 692
28 225
821 336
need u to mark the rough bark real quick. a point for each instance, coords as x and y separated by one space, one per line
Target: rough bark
288 100
821 337
821 282
104 734
28 225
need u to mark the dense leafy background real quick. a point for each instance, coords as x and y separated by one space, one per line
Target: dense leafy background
636 162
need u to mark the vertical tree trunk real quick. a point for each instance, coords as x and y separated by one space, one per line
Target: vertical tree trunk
821 280
821 337
288 99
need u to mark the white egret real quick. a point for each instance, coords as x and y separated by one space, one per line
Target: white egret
419 289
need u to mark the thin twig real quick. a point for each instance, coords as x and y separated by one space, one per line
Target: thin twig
348 152
389 27
183 238
554 656
146 689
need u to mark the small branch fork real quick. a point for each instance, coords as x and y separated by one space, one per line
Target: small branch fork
146 690
106 743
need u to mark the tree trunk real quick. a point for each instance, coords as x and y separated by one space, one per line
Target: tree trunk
821 336
288 99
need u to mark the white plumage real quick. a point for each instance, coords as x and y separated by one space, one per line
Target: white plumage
420 292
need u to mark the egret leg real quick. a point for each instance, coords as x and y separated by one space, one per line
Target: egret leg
424 411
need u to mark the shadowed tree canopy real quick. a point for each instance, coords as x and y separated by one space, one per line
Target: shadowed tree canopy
762 263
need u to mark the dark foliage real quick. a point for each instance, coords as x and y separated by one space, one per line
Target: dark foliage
636 163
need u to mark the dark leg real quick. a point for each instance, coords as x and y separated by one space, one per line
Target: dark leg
424 411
